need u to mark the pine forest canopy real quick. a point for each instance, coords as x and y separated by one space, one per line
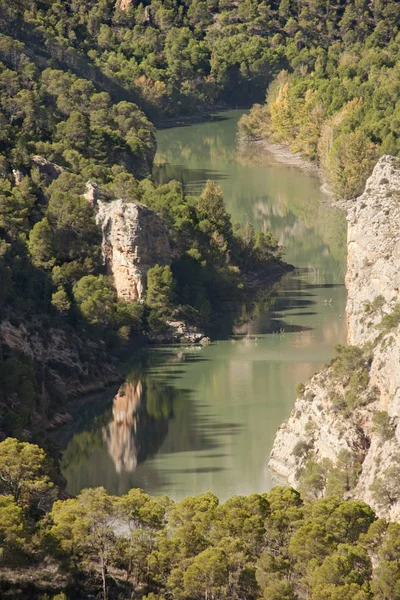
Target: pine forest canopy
274 546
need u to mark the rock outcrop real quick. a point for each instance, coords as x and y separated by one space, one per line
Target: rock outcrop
73 365
94 193
123 4
373 246
46 168
134 240
355 406
179 332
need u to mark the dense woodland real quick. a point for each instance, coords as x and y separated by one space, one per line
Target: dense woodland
276 546
337 102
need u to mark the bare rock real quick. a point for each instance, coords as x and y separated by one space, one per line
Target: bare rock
50 170
373 246
181 332
123 4
94 193
18 176
134 240
74 365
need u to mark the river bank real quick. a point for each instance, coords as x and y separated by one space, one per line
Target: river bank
293 159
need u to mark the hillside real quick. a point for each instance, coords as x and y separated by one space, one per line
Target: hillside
274 546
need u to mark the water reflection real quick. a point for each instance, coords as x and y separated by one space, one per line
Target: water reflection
192 419
260 190
133 433
109 447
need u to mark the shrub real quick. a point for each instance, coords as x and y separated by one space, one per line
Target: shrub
390 321
301 449
300 389
383 425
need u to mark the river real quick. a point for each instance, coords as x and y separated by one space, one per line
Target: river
192 419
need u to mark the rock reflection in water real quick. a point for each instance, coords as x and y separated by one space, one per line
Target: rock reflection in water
120 434
132 434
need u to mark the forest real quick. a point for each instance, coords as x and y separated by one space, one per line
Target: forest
275 546
331 71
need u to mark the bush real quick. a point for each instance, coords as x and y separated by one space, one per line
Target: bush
390 321
383 425
96 299
300 389
301 449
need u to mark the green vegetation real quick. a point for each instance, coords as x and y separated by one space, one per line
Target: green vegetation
300 389
390 321
323 478
74 82
386 489
337 102
271 546
383 425
350 368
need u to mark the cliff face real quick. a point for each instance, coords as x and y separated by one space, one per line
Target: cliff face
134 240
373 244
354 404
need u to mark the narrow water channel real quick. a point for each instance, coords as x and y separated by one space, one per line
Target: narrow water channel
192 419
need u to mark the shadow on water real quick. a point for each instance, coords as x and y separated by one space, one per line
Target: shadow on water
196 471
112 437
190 121
196 178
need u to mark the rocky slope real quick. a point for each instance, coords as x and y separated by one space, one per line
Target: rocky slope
353 405
73 365
373 260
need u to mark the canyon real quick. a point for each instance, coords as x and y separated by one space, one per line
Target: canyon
358 412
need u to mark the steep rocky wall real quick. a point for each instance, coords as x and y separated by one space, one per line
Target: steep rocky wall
134 240
373 245
333 413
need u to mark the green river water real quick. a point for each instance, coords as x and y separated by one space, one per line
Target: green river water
193 419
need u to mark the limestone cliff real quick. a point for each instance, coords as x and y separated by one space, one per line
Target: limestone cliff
373 245
354 403
134 240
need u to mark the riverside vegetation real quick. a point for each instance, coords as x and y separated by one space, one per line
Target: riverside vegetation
338 102
275 546
59 130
